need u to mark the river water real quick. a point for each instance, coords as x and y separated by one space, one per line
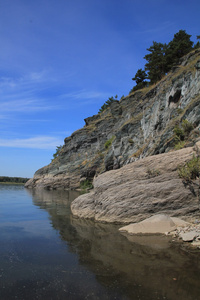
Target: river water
45 253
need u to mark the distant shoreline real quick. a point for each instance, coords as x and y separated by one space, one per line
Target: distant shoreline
13 180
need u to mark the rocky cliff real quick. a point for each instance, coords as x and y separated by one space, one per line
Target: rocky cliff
135 127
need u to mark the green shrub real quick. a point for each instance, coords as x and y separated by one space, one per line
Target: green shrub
108 143
179 145
181 133
187 127
86 185
107 103
58 148
191 170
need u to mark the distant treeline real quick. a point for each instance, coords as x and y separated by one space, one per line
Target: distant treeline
13 179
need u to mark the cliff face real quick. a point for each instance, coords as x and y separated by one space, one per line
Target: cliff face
135 127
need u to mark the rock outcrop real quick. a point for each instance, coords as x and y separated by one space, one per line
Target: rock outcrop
140 189
135 127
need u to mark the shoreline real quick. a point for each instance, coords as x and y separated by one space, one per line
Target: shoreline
12 183
161 224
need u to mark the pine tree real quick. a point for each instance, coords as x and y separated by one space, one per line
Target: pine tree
197 45
107 104
156 62
140 76
178 47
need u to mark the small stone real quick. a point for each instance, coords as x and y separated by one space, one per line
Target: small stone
188 236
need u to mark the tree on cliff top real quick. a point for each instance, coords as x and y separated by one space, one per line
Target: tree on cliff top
197 45
178 47
163 57
139 78
107 103
156 62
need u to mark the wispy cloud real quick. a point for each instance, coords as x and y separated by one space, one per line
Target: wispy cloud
25 94
83 94
38 142
164 26
33 93
25 106
84 97
27 80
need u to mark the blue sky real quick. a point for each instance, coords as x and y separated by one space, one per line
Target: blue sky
60 60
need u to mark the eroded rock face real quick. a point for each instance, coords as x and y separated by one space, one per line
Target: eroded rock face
141 189
135 127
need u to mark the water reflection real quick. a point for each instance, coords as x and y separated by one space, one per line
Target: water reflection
132 268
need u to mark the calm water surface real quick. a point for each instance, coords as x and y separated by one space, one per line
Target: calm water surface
45 253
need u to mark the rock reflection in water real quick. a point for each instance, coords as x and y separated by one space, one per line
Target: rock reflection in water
150 267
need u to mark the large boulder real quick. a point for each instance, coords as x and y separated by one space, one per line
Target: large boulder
140 189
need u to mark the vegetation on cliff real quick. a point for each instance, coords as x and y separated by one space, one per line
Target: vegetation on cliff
108 103
190 173
182 132
191 170
162 58
58 149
